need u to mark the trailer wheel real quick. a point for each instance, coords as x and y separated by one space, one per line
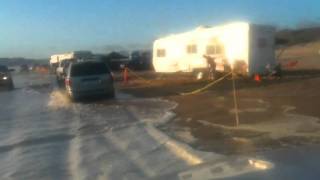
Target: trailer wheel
199 74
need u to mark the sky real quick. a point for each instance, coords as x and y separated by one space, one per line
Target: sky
39 28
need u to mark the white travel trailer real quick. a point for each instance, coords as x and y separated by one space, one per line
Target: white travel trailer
75 55
60 62
246 48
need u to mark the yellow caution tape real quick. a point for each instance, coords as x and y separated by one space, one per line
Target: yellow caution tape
206 87
188 93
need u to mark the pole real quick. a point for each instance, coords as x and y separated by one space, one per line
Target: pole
235 100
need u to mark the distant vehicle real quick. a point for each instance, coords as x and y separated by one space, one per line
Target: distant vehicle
60 62
115 60
55 59
24 68
141 60
245 47
5 77
89 78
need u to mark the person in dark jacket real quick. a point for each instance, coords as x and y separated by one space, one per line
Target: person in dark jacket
211 66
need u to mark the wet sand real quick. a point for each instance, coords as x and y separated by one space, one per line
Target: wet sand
266 111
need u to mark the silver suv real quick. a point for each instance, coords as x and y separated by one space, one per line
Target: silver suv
89 78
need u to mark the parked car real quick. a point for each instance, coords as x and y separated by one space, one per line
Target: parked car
5 77
89 78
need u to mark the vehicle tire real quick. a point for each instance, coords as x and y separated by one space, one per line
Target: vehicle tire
10 86
112 94
199 74
60 82
73 98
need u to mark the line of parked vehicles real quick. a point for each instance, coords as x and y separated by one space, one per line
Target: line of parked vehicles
84 78
83 73
81 78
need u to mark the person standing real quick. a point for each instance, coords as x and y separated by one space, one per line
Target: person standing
278 71
211 66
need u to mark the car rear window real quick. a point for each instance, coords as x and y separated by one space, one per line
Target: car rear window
87 69
3 69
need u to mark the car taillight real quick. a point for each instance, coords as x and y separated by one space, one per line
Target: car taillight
112 76
68 82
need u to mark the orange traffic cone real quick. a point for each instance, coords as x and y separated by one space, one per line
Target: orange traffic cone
125 75
257 78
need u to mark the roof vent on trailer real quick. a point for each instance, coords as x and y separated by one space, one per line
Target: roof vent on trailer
203 27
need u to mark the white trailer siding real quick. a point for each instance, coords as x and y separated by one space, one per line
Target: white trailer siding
262 48
69 56
233 40
59 57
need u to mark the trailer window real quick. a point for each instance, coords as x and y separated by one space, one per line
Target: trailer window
161 53
211 49
219 49
214 49
191 49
